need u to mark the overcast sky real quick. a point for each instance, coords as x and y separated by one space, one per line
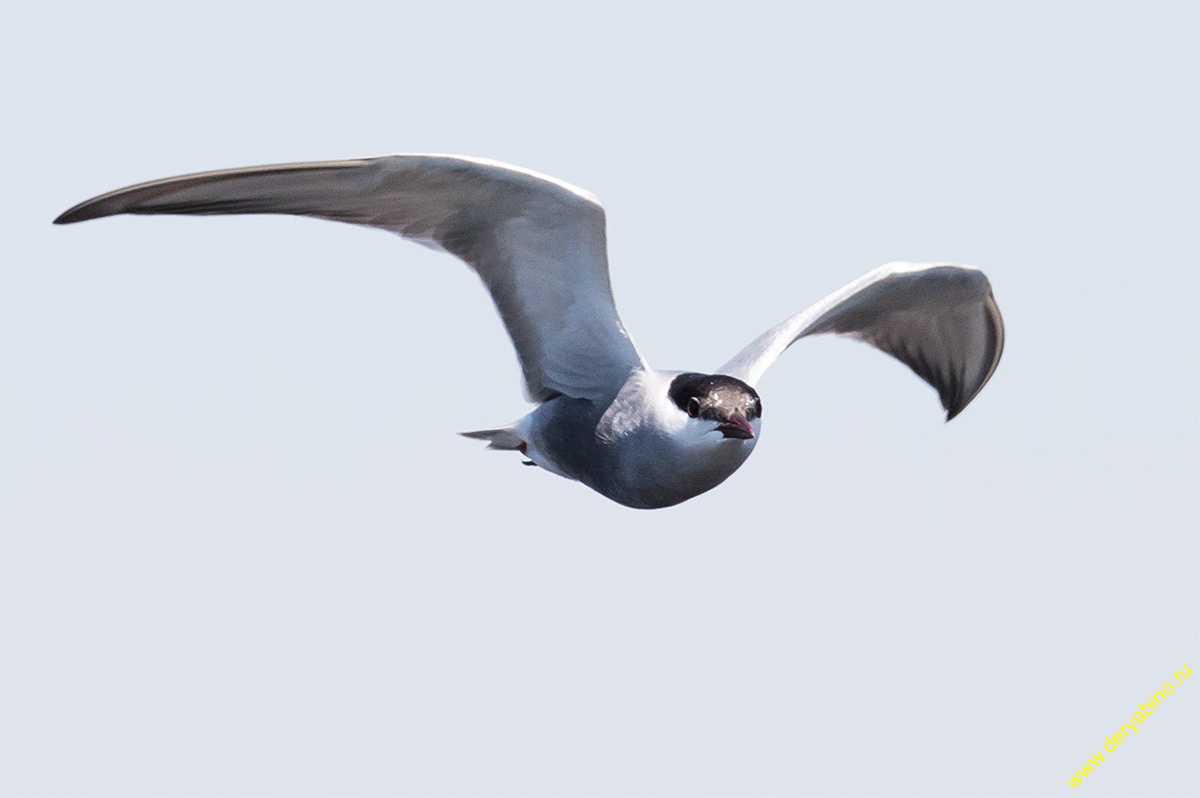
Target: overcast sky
244 553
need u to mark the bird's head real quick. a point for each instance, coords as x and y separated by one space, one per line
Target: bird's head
718 403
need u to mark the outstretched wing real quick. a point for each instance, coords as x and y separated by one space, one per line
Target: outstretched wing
537 243
939 320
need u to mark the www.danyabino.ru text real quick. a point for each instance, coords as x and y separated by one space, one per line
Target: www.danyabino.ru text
1129 729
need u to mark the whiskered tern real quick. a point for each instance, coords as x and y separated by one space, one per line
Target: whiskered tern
642 437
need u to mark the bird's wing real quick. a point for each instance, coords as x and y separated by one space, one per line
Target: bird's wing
537 243
939 320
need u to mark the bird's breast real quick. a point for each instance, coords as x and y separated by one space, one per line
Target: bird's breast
660 471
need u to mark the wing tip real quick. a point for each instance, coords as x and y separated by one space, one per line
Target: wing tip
94 208
955 399
76 214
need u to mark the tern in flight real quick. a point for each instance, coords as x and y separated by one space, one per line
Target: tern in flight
642 437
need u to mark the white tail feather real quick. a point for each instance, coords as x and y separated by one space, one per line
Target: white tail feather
505 438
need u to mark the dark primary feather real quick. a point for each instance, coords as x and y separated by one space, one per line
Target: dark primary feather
936 339
153 197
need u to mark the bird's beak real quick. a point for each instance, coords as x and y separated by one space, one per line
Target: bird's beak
736 427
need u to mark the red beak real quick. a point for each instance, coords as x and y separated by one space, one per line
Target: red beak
736 427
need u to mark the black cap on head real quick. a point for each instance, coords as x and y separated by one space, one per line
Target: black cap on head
716 397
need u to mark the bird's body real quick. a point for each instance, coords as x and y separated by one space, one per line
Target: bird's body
642 437
638 449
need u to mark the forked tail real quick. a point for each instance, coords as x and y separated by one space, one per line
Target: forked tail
505 438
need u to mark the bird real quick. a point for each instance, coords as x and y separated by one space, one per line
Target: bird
642 437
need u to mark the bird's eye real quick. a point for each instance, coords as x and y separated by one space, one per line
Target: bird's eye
755 410
693 407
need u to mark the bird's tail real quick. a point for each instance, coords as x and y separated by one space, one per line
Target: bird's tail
504 438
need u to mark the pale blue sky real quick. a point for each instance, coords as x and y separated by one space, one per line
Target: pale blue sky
242 557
